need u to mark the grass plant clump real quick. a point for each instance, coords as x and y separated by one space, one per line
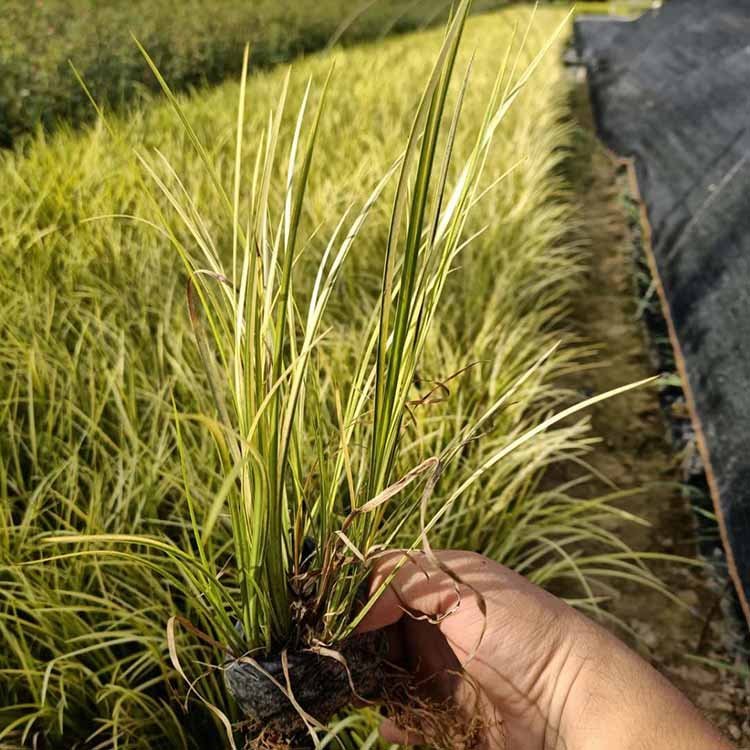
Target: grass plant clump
242 462
312 501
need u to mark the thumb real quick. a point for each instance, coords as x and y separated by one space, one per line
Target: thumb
416 587
387 609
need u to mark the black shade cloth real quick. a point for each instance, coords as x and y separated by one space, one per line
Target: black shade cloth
672 90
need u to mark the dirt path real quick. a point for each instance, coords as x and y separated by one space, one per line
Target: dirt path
636 452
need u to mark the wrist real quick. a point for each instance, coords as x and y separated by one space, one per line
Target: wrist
610 697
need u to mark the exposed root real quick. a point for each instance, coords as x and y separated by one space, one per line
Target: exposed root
435 724
270 739
287 699
441 723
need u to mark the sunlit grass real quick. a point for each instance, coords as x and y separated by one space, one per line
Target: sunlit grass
98 355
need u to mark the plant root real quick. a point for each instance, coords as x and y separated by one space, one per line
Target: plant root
270 739
322 686
441 723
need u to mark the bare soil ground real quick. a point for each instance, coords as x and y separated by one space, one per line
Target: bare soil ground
636 452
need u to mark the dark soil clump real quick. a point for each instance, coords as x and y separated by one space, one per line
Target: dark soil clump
319 684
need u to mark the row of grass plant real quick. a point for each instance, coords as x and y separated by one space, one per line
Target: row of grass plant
102 390
193 43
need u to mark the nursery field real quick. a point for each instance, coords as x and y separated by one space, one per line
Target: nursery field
40 40
108 415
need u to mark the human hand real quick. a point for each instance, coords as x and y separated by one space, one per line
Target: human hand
543 675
